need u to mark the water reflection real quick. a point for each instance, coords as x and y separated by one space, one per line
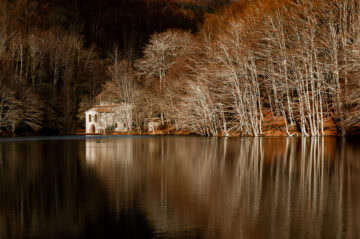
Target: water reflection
180 187
46 191
40 194
235 188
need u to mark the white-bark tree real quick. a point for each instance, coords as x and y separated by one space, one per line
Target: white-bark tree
160 54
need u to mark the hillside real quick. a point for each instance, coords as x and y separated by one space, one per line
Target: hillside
270 67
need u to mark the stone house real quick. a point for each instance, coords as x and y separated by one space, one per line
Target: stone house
108 117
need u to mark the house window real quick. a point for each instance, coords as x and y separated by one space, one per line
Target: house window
95 118
89 118
115 124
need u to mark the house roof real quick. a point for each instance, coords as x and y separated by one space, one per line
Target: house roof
103 110
109 108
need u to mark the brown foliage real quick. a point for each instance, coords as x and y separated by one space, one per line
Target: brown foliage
284 56
47 71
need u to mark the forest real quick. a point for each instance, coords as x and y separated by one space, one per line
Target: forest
219 68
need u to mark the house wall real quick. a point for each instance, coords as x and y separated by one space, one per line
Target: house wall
123 120
120 117
90 123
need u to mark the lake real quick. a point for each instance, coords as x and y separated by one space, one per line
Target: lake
180 187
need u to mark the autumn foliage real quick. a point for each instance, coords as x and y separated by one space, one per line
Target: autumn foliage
290 65
56 57
268 67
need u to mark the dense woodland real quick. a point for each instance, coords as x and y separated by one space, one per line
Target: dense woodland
250 68
55 55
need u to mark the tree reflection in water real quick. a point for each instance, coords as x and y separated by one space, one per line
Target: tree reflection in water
46 191
180 187
236 187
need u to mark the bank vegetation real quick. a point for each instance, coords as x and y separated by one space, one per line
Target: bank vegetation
269 67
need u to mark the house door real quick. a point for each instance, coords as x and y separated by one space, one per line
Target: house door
93 130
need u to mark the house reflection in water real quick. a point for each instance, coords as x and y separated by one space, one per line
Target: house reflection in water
99 152
234 188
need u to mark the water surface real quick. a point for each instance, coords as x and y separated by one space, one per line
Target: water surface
180 187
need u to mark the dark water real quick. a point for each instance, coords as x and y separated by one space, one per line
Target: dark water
180 187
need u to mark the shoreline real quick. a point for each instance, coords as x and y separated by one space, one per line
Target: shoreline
273 129
84 136
352 132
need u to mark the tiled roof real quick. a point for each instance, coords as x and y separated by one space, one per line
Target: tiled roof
109 108
104 110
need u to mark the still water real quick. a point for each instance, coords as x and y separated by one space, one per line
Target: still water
180 187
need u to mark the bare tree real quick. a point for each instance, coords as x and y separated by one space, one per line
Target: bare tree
160 54
123 80
19 108
10 110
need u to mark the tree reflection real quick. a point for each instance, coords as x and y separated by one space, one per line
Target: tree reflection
46 191
236 187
